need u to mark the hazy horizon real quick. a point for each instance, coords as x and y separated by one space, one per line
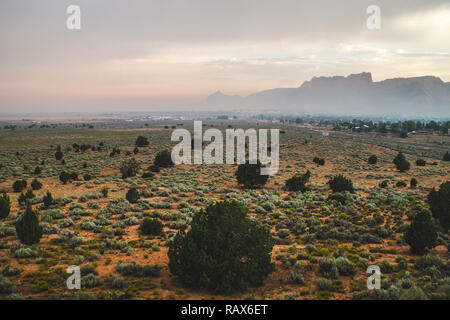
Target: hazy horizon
153 55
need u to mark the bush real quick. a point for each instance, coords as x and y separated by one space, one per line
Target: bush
6 286
319 161
37 170
428 261
401 184
223 251
104 192
340 183
298 182
421 234
58 155
23 198
345 267
154 168
373 159
384 184
129 168
141 141
249 175
439 202
401 163
5 206
446 156
413 183
151 227
163 159
421 163
386 267
328 268
87 177
48 199
27 227
36 184
64 176
132 195
148 175
90 281
19 185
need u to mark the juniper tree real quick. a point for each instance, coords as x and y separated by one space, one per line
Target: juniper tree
439 202
48 199
298 182
5 206
249 175
223 251
163 159
27 227
421 233
340 183
129 168
141 141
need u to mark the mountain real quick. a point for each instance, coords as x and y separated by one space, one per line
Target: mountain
354 94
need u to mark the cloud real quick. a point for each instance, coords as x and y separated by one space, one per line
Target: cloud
178 48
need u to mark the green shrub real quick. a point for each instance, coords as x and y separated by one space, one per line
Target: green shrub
223 251
345 267
386 267
400 184
132 195
141 141
6 286
428 261
151 227
58 155
298 182
446 156
104 192
319 161
421 162
401 163
163 159
48 199
328 268
373 159
129 168
384 184
340 183
19 185
154 168
439 202
5 206
249 175
421 234
36 184
27 227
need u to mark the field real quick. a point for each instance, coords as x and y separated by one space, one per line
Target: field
100 233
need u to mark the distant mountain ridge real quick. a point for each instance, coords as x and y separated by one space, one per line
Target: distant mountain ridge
354 94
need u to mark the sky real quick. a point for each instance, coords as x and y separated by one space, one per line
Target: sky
139 55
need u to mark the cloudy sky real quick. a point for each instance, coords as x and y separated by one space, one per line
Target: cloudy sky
155 54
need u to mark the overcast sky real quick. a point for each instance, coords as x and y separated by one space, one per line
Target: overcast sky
139 54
